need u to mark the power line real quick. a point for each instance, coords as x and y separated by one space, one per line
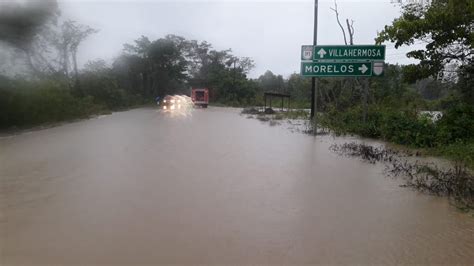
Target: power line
392 54
404 45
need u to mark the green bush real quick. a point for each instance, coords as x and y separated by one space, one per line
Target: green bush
105 91
397 126
457 124
459 151
452 136
25 103
408 129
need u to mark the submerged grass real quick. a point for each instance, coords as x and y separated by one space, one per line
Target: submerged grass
455 182
291 114
297 120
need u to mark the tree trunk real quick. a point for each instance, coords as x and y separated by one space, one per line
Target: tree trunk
76 85
350 29
321 98
74 60
35 70
334 97
65 61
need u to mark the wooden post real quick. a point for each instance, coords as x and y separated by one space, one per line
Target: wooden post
265 102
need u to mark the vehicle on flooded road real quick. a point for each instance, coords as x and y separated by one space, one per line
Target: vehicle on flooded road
176 102
200 97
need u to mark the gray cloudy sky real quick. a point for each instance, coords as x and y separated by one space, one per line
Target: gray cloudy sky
270 32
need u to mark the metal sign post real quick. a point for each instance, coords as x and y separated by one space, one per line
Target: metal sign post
339 61
314 81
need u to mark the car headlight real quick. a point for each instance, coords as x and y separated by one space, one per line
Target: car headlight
164 107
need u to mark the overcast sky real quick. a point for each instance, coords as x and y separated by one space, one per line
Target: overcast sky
270 32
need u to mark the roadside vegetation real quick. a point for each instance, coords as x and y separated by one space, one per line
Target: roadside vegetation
425 108
398 105
41 82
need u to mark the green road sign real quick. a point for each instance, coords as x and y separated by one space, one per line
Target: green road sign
337 69
343 52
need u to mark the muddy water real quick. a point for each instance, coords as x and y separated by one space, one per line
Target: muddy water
143 187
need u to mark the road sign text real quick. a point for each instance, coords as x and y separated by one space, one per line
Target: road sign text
343 52
335 69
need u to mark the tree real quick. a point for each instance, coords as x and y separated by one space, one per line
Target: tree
299 88
158 67
350 26
72 36
19 23
49 49
129 70
271 82
347 86
168 66
171 64
446 26
223 72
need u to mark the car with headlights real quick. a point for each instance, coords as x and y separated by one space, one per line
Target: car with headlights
176 102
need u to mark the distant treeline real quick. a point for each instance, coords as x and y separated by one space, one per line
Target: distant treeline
43 82
171 65
48 89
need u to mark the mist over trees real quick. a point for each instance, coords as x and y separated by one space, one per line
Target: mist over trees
21 22
172 64
43 82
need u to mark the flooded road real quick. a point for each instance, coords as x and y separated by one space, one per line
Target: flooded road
141 187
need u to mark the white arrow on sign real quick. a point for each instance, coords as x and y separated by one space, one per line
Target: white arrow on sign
363 68
322 52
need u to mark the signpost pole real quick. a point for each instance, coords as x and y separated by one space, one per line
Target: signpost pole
314 81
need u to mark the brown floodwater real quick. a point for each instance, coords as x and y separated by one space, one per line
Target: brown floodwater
144 187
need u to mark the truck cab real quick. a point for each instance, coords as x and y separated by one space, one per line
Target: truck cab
200 97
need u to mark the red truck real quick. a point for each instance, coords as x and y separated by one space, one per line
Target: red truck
200 96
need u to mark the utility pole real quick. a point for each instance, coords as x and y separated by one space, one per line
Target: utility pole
314 81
